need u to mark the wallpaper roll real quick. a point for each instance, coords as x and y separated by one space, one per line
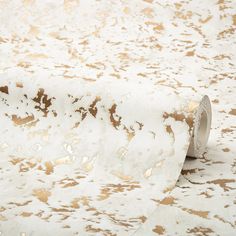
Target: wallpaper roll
95 155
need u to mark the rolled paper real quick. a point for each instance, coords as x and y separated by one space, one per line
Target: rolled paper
94 155
94 123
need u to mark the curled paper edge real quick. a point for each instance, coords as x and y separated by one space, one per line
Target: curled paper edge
201 129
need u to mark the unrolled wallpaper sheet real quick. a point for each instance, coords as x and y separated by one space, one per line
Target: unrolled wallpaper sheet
95 121
101 151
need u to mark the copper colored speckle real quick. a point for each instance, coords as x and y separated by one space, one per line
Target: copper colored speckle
200 231
43 101
24 120
26 214
93 109
233 112
19 85
160 230
223 183
115 119
49 167
4 89
168 201
180 117
203 214
42 194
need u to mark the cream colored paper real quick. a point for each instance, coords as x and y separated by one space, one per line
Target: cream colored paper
96 119
98 151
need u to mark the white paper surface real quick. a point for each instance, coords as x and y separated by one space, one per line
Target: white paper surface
98 104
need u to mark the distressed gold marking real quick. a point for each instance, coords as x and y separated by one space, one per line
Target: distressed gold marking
204 21
227 130
49 167
216 101
2 40
140 125
26 214
2 218
20 204
130 134
159 230
148 12
179 117
68 182
225 149
19 85
169 189
190 53
97 66
168 201
2 209
142 218
169 129
24 121
223 183
24 167
234 19
105 232
15 161
123 56
24 64
221 56
110 189
159 27
44 102
89 79
83 112
25 164
158 46
93 109
178 5
206 194
184 16
115 122
142 74
201 231
226 32
75 204
4 89
42 194
66 226
115 75
61 210
190 171
223 220
84 201
203 214
233 112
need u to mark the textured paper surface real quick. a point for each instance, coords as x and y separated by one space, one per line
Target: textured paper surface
98 152
95 129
